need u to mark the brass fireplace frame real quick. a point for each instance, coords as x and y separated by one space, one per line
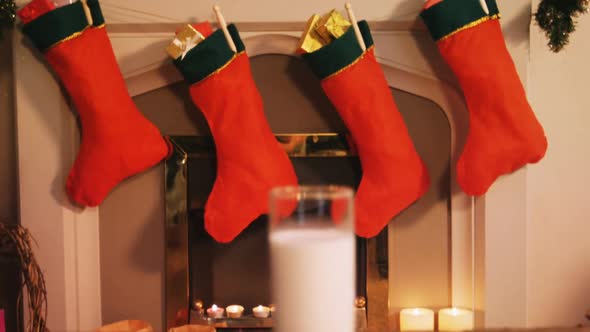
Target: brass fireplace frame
372 254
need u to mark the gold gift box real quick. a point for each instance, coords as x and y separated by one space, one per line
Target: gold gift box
310 40
320 31
332 25
185 40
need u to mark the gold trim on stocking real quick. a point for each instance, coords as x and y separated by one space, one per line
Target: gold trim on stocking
74 35
350 64
222 67
471 25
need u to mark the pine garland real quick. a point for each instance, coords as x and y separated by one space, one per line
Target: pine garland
7 14
557 19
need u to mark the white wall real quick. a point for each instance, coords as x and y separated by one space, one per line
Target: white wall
558 223
504 207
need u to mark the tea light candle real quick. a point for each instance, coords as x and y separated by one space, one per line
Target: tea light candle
234 311
261 311
215 312
416 319
455 319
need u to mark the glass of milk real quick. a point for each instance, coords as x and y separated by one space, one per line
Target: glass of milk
312 258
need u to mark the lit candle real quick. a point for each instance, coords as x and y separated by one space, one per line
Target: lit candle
455 319
416 319
261 311
234 311
215 312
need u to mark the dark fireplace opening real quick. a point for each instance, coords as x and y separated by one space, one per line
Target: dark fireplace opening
239 272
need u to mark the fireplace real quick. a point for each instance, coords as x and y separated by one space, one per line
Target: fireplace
431 255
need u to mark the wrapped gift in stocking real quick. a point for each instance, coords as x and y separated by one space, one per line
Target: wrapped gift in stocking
394 175
504 134
250 160
117 140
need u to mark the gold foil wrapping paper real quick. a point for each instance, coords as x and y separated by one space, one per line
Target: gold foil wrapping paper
310 40
185 40
332 25
320 31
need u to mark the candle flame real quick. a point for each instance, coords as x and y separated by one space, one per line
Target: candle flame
259 307
416 312
454 311
214 307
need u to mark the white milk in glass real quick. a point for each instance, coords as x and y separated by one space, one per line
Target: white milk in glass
313 279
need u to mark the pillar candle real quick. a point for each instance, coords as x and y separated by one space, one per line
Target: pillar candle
454 319
416 319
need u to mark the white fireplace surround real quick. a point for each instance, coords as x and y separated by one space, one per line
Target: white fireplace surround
482 229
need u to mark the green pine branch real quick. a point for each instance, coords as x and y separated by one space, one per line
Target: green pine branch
558 19
7 14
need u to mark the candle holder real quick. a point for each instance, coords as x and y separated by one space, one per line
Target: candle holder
261 311
234 311
215 312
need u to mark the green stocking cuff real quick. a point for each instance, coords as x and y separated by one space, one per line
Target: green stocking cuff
340 53
61 24
209 55
493 8
96 12
451 16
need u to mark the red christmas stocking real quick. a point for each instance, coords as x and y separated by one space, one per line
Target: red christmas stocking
117 141
504 133
394 176
250 161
